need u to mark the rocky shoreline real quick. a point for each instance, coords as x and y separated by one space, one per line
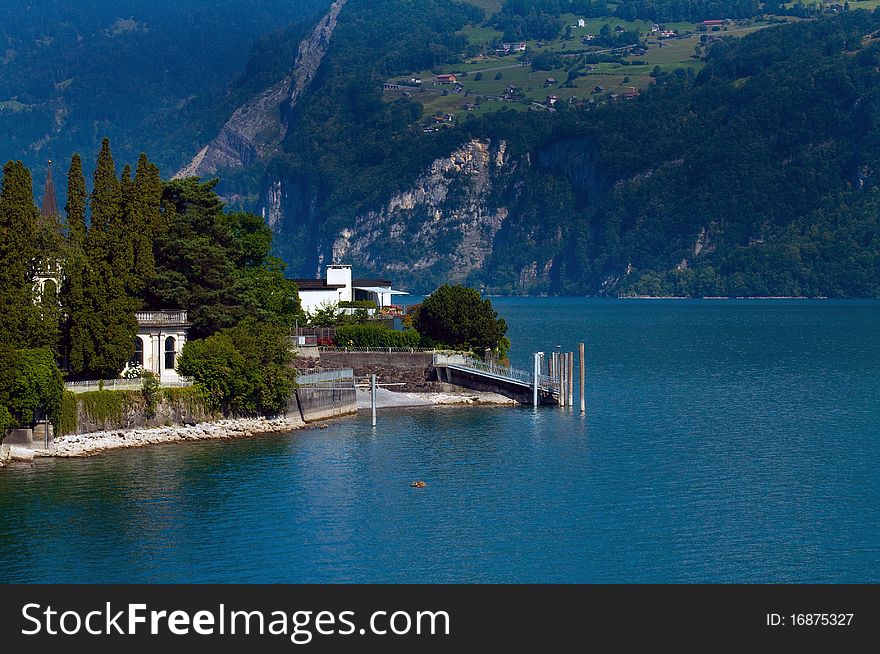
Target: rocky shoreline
80 445
91 444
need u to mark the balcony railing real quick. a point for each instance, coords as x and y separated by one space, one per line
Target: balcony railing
175 318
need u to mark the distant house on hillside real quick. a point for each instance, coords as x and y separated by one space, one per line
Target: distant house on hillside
445 79
391 87
713 23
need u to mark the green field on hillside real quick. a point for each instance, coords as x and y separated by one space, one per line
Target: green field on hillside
485 78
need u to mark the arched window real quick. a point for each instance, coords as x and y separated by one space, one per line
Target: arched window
50 290
138 359
170 352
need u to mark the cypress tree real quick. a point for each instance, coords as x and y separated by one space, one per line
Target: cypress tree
79 311
104 337
143 213
19 219
77 198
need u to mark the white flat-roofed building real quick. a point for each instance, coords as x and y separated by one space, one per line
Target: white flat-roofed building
339 286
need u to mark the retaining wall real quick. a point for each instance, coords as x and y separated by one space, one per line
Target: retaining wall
319 403
413 369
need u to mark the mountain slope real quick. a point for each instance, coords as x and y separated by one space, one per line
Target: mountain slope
138 72
755 177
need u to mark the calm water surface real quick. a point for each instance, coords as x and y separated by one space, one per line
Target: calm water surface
724 441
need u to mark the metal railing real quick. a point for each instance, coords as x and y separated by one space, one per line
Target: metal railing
326 376
505 372
121 385
386 350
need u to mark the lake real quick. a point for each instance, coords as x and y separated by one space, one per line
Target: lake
724 441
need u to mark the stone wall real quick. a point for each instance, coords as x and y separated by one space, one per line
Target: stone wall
413 369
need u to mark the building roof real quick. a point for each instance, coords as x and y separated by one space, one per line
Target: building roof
316 285
370 282
381 289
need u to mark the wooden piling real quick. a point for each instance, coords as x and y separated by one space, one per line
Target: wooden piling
583 366
571 379
561 379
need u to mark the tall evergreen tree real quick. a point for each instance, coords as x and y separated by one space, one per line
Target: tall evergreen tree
145 217
103 340
19 220
77 199
79 311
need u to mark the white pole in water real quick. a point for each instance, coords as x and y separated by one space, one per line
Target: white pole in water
571 379
562 382
581 347
535 379
373 398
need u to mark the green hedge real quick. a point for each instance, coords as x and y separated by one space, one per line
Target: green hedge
375 336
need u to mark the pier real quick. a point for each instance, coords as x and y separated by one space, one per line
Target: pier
511 382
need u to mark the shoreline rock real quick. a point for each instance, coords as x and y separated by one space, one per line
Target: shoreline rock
388 399
83 445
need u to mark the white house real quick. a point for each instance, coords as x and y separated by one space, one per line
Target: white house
339 286
159 341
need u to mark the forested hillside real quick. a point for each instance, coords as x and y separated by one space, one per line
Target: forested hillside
755 176
733 159
150 75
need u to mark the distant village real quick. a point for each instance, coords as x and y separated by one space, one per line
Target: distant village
478 82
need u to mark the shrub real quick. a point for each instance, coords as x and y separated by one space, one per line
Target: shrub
457 316
373 335
151 390
34 388
244 370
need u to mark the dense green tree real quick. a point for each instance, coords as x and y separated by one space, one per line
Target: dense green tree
103 328
217 264
19 224
73 299
244 370
33 391
457 316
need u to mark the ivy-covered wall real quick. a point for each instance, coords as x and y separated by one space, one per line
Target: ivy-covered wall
84 413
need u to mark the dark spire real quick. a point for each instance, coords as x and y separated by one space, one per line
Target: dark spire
50 204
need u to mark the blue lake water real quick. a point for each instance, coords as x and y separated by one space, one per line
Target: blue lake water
724 441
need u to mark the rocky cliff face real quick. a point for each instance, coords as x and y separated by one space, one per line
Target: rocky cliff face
443 226
256 129
462 220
